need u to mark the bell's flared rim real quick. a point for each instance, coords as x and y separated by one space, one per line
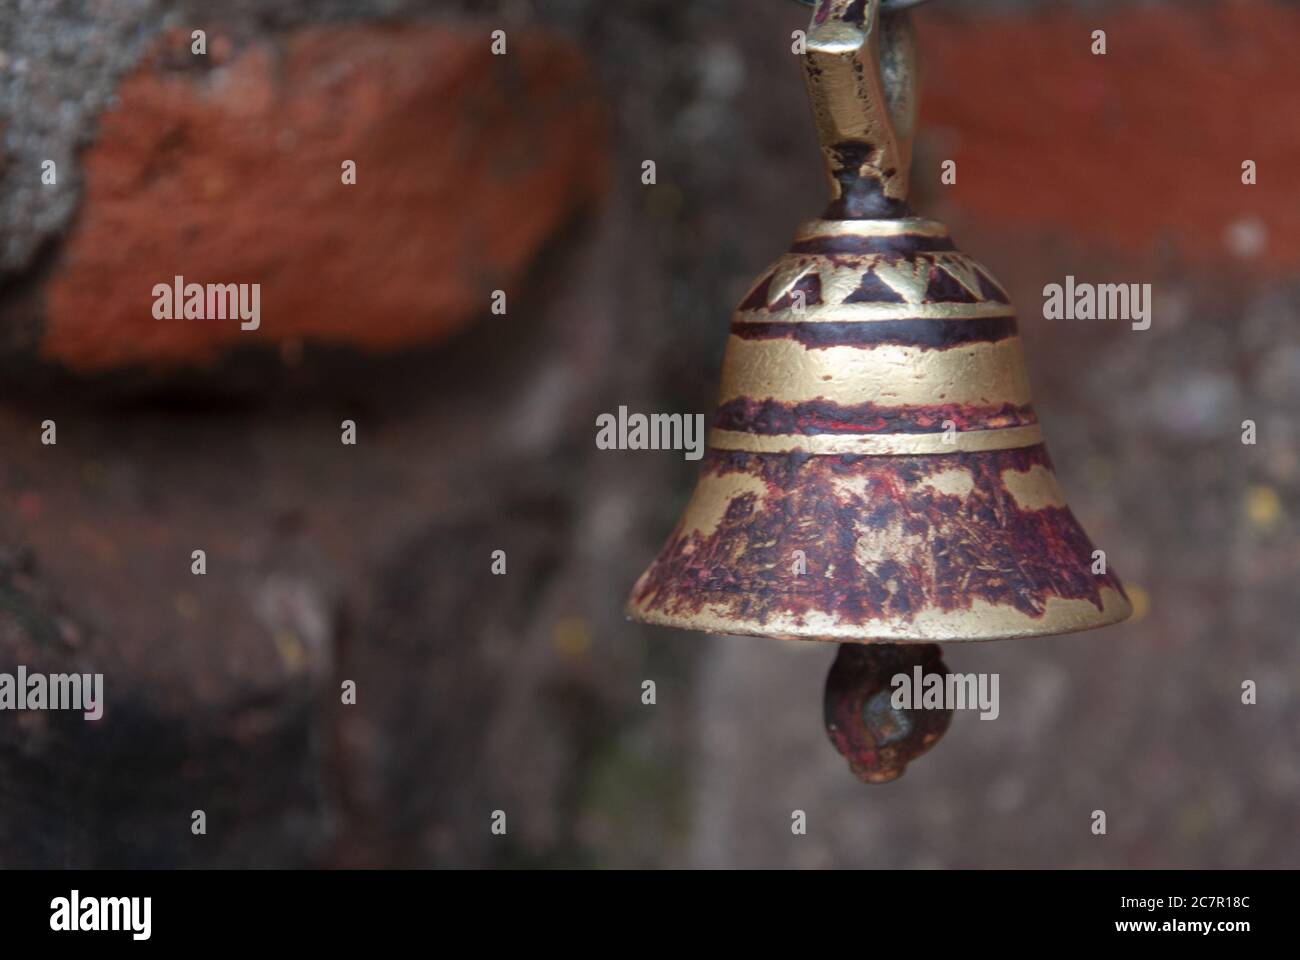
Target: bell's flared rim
967 546
982 622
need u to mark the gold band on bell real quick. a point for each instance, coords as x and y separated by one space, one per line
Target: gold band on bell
905 227
982 374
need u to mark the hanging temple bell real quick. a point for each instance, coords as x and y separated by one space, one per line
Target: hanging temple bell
875 474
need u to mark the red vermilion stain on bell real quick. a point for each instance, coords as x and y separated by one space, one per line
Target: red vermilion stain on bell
878 739
947 550
818 416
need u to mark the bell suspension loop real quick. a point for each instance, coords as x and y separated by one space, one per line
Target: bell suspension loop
859 68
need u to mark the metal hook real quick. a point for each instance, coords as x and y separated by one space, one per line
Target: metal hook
858 65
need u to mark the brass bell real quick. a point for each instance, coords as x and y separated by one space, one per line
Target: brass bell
875 472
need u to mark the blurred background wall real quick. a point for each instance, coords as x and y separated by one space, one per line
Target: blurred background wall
372 563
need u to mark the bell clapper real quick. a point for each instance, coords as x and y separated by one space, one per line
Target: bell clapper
876 735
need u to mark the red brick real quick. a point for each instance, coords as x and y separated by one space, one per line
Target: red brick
467 163
1141 148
